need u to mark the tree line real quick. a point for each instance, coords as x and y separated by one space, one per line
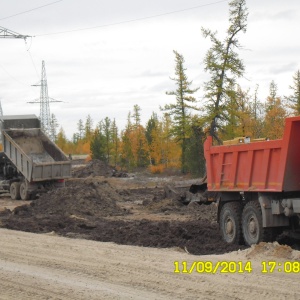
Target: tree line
175 140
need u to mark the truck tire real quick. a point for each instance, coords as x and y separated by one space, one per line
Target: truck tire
15 191
24 191
253 230
230 223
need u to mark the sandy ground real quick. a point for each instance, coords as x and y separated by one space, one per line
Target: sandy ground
45 266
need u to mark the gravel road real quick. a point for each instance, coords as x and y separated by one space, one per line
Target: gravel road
46 266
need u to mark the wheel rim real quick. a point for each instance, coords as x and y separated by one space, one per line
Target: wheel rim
13 190
23 191
252 228
229 228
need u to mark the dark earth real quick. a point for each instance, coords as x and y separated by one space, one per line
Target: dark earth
93 208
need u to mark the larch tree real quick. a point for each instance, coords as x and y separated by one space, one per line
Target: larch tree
80 128
294 99
257 113
61 140
224 66
171 150
140 145
275 115
88 128
195 152
151 132
238 115
53 127
106 126
115 143
127 158
150 126
181 110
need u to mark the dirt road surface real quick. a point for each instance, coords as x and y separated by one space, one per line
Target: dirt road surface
46 266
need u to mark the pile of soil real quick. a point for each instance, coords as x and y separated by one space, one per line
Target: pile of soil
79 199
97 167
86 209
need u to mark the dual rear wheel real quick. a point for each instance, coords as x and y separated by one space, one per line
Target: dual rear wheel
19 190
238 225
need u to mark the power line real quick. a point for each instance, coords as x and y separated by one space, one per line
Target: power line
24 12
1 67
32 61
133 20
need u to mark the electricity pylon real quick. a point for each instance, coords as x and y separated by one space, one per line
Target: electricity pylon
9 34
44 101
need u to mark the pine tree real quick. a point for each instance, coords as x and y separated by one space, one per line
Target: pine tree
97 145
180 111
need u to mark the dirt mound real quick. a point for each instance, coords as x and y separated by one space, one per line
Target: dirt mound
272 249
195 237
95 167
81 209
93 209
81 199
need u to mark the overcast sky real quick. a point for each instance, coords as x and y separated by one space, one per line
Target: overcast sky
117 63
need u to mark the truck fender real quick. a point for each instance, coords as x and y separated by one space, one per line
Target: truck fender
226 197
270 219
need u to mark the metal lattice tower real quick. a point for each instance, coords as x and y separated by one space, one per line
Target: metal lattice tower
9 34
44 102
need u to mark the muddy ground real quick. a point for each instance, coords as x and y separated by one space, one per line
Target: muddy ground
132 211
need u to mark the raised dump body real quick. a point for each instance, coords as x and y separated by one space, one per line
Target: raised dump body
30 162
265 166
35 155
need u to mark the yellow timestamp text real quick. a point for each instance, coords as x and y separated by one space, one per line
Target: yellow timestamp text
284 267
209 267
212 268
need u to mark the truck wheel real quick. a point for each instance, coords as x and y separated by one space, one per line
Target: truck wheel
15 191
24 191
253 230
230 223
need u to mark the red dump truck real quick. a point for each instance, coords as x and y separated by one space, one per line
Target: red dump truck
257 186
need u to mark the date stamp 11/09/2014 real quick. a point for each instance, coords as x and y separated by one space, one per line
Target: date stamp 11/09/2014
227 267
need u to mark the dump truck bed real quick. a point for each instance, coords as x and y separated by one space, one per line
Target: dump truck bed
35 155
259 166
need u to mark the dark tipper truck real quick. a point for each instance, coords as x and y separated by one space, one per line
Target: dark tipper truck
30 163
